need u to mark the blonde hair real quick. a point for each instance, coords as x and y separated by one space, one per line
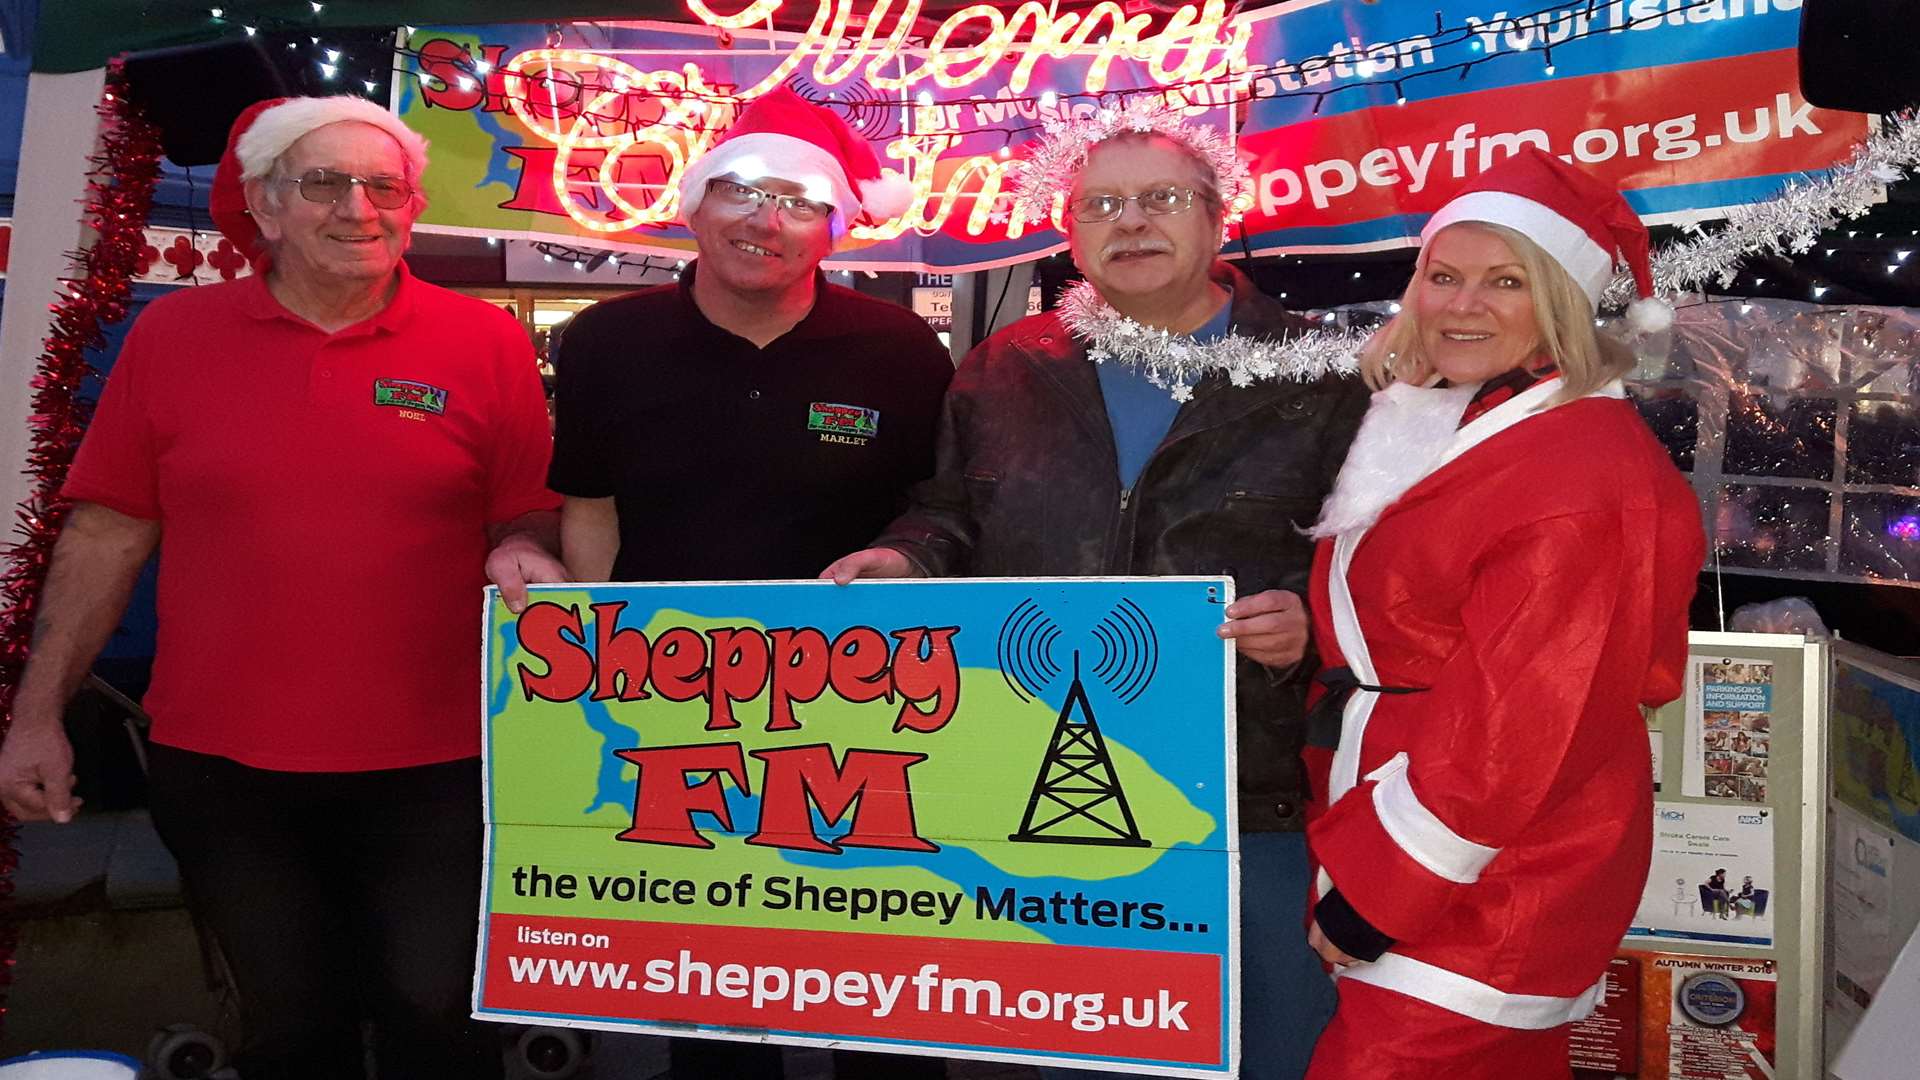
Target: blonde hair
1586 358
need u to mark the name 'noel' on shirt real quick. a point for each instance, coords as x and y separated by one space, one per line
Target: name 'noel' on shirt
727 665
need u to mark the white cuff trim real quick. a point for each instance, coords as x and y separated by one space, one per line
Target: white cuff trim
1425 838
1471 998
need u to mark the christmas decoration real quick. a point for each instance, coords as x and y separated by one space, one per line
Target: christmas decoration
174 256
263 132
1199 34
1582 224
1055 160
1789 223
120 189
1175 362
954 110
782 134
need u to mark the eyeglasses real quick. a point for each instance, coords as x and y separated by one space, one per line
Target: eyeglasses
1160 201
328 186
743 199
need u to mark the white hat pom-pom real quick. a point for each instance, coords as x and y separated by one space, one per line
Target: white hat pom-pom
1650 315
886 197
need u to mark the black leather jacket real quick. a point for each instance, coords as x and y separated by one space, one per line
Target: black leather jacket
1027 485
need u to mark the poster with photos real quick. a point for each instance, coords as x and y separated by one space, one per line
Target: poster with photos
1729 728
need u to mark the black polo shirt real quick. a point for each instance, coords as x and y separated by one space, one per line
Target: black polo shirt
729 462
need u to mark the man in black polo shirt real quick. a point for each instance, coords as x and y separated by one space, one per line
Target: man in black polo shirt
689 452
750 421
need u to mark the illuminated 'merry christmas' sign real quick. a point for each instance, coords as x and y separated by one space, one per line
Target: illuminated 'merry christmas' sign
622 132
1192 35
1356 119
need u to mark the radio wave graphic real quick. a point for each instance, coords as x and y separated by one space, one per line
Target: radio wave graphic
1129 651
1025 650
872 115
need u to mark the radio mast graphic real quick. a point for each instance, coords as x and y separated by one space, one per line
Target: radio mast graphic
1077 798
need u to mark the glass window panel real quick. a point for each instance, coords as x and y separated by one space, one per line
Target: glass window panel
1768 435
1675 420
1770 528
1881 536
1883 443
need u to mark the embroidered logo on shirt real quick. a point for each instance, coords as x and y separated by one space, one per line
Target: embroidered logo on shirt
853 424
410 395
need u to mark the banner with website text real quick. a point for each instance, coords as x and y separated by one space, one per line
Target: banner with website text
1357 119
987 819
1689 106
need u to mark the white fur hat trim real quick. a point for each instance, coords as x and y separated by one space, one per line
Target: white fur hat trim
279 127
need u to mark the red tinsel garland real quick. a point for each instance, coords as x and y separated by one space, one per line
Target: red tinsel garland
120 188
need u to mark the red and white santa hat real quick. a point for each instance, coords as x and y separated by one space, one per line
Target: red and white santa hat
1585 225
782 136
266 129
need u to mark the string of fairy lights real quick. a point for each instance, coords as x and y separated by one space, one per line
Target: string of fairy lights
557 89
1254 82
587 260
333 64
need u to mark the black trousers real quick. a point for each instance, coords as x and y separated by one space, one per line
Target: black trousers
337 898
714 1059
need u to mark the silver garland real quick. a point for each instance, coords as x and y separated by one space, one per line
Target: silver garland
1175 362
1791 222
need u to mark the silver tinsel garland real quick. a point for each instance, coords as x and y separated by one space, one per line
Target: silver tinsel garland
1791 222
1175 362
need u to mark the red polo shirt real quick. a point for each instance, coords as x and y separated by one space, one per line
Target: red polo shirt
324 502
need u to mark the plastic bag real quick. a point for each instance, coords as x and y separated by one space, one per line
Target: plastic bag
1787 615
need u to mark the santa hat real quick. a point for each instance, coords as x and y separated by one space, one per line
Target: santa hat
266 129
1583 224
782 136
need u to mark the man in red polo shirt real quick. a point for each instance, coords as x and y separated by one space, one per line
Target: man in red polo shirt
325 454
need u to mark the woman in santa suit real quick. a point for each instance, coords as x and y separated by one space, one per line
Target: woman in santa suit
1504 573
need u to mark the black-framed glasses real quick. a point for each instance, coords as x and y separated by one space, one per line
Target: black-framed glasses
1164 200
744 199
328 186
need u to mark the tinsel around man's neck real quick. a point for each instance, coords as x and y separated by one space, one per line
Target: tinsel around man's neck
1176 362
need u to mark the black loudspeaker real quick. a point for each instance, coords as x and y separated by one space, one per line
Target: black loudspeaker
194 93
1859 55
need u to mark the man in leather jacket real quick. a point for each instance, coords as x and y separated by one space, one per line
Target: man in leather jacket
1050 464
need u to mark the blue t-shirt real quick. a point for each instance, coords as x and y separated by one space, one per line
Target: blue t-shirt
1138 411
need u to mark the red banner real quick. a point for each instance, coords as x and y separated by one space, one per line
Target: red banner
1113 1002
1653 128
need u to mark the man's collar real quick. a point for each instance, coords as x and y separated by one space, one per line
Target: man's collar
257 301
819 321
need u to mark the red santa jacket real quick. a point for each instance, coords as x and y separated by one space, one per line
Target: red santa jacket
1530 575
